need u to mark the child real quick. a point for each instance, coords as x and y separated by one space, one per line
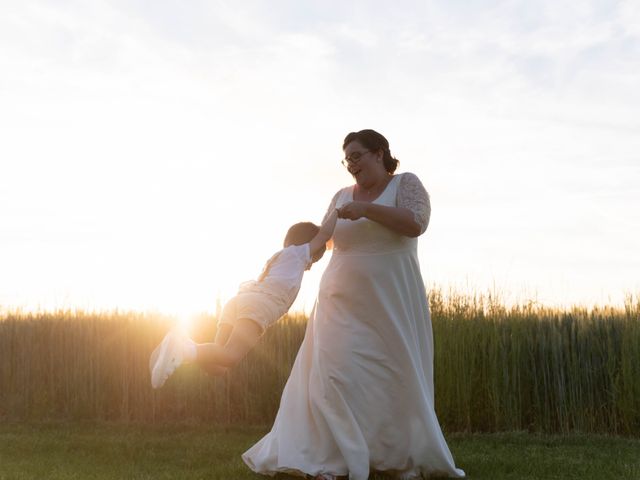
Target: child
258 304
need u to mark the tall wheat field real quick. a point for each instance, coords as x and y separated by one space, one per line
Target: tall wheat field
525 367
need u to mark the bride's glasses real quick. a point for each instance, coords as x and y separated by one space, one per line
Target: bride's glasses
353 158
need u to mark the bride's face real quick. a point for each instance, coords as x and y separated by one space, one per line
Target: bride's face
365 165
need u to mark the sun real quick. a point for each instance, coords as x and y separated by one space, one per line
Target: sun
184 322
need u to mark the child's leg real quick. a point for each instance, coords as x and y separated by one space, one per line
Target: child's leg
222 337
222 334
243 336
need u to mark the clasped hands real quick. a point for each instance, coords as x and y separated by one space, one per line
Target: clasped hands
353 210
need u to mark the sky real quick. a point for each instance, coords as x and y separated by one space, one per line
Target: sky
153 154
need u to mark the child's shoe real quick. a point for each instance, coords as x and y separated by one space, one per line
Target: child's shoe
167 357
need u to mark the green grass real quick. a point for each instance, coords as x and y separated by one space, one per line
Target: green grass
71 451
109 451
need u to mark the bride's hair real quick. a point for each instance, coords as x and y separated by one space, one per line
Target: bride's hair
374 141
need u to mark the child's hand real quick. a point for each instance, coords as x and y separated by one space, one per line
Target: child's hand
353 210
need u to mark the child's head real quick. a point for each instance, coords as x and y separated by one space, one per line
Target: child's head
302 233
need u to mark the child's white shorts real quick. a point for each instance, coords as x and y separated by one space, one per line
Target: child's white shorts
262 308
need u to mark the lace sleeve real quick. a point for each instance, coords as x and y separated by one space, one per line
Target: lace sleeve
413 195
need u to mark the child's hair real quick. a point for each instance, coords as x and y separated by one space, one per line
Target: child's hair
302 233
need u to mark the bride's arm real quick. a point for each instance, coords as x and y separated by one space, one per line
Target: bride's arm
398 219
410 216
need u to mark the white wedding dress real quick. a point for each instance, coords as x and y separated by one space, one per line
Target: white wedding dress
360 395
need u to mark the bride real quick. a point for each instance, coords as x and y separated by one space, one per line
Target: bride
360 395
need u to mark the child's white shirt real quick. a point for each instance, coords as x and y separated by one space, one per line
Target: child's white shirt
282 275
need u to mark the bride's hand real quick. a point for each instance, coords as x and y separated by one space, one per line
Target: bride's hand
353 210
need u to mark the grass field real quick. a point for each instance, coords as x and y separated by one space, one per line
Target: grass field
519 368
89 451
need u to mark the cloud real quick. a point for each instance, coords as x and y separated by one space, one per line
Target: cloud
146 117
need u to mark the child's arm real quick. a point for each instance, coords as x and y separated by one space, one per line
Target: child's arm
325 233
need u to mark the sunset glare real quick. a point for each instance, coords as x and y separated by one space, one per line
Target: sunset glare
153 155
